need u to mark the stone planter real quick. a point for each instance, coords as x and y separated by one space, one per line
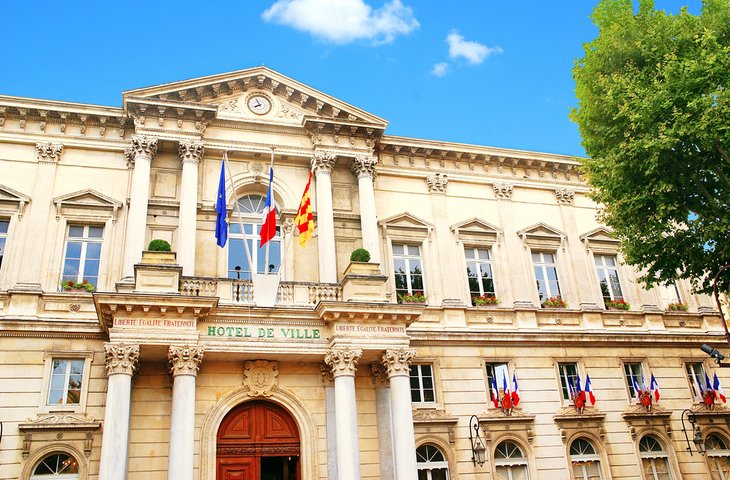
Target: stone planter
150 257
363 282
158 272
362 268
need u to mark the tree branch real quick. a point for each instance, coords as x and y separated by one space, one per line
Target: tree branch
722 151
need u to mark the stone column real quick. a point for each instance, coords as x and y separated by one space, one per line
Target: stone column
184 363
121 362
343 362
323 164
191 152
364 168
329 405
445 253
385 420
48 154
398 363
143 150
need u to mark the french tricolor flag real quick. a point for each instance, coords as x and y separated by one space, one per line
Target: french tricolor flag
495 393
654 387
268 229
718 389
589 390
515 391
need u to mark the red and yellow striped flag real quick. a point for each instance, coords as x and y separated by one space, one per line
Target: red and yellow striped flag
304 219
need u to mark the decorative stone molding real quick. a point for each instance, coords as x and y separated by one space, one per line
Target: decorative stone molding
343 360
639 419
364 166
327 376
144 146
288 226
398 362
260 377
184 359
433 422
323 162
437 183
121 358
503 190
570 422
48 152
378 374
190 151
564 196
496 425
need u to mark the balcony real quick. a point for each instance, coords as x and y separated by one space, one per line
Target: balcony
240 292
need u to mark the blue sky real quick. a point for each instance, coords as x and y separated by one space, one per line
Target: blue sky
485 72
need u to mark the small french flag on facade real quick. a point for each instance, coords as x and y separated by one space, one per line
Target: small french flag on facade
718 389
495 393
654 387
268 229
515 391
589 390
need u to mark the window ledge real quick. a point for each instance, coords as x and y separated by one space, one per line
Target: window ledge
60 421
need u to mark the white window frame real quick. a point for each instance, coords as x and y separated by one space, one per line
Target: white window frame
254 220
601 263
418 368
85 240
4 236
694 379
563 377
498 364
641 380
429 465
510 462
407 257
717 455
653 455
584 458
543 266
68 476
478 262
48 358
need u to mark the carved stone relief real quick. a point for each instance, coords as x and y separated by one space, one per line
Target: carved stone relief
260 377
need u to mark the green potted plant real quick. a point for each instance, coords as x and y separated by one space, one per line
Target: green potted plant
159 252
415 297
159 245
78 287
617 304
678 307
485 299
360 264
554 302
360 255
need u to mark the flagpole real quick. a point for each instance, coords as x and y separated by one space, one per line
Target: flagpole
240 218
266 261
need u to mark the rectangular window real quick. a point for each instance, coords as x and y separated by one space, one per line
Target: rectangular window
670 294
4 225
607 268
82 254
65 381
422 384
568 373
479 271
696 377
237 253
634 375
546 273
499 371
408 269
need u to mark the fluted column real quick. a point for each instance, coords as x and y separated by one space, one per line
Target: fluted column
121 362
184 363
343 362
143 150
398 364
364 168
323 163
191 152
48 154
384 419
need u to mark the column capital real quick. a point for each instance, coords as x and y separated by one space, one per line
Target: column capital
121 358
184 359
364 166
323 162
343 360
503 190
437 183
378 374
48 152
190 151
398 362
564 196
143 145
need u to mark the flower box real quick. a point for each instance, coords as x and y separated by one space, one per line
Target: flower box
554 302
617 304
678 307
415 297
484 300
77 287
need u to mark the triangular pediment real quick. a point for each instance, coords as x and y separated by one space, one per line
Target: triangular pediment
406 225
229 93
475 230
541 230
88 198
600 234
12 201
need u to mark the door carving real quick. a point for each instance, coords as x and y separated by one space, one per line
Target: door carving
258 440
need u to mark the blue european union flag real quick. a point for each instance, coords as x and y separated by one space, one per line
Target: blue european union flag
221 227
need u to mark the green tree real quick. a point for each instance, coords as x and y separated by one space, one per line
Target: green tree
654 114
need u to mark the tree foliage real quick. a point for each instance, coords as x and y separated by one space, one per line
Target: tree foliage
654 115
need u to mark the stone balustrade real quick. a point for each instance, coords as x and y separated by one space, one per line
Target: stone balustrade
241 291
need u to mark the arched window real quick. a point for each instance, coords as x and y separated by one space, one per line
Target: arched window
654 459
585 461
251 208
432 464
56 466
510 462
718 456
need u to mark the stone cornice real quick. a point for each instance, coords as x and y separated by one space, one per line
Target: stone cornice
369 312
109 305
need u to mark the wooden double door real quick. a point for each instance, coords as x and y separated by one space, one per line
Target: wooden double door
258 440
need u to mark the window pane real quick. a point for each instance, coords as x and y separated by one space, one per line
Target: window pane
91 269
73 249
96 232
469 253
76 231
4 224
93 250
398 249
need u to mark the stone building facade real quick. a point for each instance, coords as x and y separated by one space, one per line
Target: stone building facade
488 272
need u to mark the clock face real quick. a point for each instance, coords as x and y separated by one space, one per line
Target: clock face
259 104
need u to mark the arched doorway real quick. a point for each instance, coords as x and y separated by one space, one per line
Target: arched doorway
258 440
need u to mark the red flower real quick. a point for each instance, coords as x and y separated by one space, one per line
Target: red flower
70 283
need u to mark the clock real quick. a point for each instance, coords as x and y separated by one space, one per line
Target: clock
259 104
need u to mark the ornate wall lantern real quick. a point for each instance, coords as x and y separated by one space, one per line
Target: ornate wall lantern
478 451
697 433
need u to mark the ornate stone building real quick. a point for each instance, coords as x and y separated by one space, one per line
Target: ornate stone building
488 273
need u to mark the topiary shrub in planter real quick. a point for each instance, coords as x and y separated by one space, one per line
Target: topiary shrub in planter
159 245
360 255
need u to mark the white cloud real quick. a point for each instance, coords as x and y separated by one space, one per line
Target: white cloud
344 21
440 69
474 52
